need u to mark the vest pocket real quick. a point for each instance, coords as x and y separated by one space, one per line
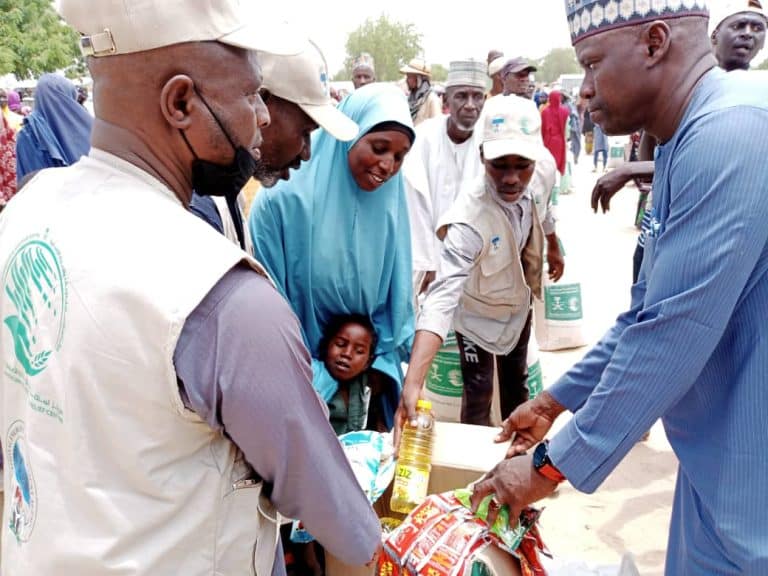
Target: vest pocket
489 307
503 287
244 535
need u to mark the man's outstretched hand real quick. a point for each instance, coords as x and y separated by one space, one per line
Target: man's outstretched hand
608 185
529 423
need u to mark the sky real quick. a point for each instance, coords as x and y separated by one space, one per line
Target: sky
451 30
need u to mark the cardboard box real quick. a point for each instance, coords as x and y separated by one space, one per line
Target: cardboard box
462 453
499 563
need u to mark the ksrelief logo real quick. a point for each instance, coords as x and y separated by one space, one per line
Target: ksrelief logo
22 493
35 301
525 126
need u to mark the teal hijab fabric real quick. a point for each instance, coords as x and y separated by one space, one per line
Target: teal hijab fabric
333 248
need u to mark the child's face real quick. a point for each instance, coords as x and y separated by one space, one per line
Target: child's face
349 352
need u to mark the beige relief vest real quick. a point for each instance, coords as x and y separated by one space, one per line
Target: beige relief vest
106 472
496 298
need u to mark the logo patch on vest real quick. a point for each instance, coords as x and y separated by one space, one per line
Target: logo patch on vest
22 491
34 306
35 298
495 243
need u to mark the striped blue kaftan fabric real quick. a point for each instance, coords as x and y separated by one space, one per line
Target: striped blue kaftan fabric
693 349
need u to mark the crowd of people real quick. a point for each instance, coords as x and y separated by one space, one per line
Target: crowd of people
55 133
172 390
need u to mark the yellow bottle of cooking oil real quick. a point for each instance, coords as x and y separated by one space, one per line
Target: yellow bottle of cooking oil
415 461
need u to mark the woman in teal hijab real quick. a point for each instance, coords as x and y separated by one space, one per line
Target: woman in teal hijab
336 240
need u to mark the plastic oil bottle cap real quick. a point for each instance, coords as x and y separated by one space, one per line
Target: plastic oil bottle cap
425 404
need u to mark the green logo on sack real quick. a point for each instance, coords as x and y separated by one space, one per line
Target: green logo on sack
535 380
35 297
444 377
562 302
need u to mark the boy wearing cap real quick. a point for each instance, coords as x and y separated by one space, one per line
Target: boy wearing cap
154 379
490 266
542 184
296 91
691 349
445 155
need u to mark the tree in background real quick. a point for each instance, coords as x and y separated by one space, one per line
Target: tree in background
391 43
33 39
439 73
558 61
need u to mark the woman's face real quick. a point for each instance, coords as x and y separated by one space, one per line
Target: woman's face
376 157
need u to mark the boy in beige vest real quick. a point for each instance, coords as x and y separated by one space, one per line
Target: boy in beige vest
490 265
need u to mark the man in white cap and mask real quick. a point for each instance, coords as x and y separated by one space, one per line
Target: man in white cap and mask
445 156
156 388
296 91
691 349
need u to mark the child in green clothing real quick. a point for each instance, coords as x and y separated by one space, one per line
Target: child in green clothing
347 351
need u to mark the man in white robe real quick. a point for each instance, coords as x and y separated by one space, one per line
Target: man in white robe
445 156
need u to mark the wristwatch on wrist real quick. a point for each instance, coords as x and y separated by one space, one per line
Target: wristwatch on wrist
543 464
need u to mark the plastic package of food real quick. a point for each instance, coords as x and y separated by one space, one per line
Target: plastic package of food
441 537
510 534
372 458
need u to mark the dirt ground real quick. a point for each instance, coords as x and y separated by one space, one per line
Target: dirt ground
630 511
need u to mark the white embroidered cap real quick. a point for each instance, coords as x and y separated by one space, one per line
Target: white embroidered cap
589 17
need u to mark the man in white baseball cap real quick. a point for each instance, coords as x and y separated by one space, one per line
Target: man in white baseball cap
296 91
737 30
490 266
156 386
